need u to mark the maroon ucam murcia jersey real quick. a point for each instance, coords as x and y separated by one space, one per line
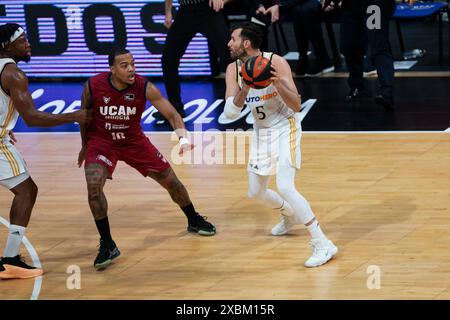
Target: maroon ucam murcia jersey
116 113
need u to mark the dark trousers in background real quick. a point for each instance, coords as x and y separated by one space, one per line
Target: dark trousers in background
188 21
356 38
307 22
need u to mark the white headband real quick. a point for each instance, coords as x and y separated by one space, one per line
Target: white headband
14 37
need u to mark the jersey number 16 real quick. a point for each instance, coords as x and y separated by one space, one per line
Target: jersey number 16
118 135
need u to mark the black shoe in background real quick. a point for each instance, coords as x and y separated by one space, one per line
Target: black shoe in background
354 94
388 104
319 67
302 68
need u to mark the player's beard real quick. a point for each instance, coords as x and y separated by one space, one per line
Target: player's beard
25 58
239 53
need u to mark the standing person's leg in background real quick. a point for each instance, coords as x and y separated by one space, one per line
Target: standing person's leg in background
353 46
214 28
308 27
301 38
382 58
180 34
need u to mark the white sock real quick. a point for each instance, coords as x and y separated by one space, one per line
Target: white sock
315 231
15 236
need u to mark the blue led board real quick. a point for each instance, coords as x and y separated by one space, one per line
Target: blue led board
73 38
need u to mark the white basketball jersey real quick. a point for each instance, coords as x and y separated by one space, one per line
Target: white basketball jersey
266 105
8 114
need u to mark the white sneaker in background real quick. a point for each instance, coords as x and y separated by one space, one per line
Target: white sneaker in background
323 251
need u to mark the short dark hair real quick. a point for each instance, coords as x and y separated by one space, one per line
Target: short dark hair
112 56
251 32
6 31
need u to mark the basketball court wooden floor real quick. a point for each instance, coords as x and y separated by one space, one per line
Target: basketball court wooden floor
383 198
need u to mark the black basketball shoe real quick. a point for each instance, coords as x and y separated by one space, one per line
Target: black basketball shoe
106 254
199 225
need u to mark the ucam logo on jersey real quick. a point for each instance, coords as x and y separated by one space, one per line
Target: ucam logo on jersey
117 112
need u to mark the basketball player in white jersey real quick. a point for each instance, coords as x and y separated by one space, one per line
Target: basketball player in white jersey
16 100
275 145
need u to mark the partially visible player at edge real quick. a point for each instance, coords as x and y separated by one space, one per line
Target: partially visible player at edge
15 100
118 100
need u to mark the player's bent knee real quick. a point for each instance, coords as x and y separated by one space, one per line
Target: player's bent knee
94 190
95 175
31 193
255 195
287 191
27 190
33 190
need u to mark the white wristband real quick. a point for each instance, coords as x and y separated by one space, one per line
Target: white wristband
184 141
231 110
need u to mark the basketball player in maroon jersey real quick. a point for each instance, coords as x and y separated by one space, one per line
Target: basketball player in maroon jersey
117 99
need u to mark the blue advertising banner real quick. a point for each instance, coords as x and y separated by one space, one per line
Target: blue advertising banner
71 38
203 102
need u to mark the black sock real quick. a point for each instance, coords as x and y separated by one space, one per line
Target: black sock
189 211
103 229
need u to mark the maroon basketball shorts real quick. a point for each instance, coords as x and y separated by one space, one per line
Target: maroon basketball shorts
141 155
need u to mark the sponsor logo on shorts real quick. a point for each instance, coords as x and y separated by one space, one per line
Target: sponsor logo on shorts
104 159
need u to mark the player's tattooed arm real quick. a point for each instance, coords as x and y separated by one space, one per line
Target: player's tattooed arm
170 113
153 95
15 82
86 103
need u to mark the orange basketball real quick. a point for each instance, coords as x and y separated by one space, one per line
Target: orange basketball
256 72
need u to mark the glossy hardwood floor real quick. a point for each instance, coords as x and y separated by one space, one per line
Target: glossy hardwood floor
384 199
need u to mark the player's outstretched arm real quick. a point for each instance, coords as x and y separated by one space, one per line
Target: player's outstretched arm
16 83
153 95
86 104
284 83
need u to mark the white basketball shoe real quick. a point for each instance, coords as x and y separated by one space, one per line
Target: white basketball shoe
286 223
323 251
